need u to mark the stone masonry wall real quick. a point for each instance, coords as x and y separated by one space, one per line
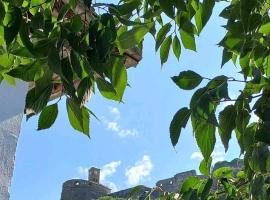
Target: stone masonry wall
83 190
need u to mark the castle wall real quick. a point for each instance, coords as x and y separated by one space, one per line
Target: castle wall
83 190
11 113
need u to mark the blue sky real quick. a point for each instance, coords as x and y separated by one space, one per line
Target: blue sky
131 142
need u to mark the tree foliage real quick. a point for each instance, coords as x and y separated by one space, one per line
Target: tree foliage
50 44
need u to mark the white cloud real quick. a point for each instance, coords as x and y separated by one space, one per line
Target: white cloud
121 132
196 156
112 186
115 112
113 126
109 169
106 171
217 156
139 171
128 133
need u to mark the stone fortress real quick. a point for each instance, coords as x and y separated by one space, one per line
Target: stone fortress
78 189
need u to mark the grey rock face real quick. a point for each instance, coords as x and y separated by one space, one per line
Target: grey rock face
11 106
173 184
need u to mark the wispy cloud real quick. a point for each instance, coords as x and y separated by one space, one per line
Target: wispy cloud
196 156
106 171
114 126
139 171
115 112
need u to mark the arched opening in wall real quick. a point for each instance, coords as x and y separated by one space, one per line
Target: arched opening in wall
77 183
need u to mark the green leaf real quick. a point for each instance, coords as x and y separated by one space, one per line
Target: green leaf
258 160
187 80
205 137
165 49
227 124
223 172
47 117
119 78
36 99
132 37
226 57
198 18
218 87
243 116
203 107
189 184
7 60
24 35
28 73
9 79
256 188
161 35
187 36
54 61
73 3
84 89
176 47
12 22
265 29
17 3
205 188
75 63
207 9
63 11
205 167
168 7
2 12
128 7
268 164
76 24
180 5
78 117
178 122
106 89
37 21
262 133
2 40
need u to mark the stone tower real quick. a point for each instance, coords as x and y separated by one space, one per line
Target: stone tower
78 189
94 175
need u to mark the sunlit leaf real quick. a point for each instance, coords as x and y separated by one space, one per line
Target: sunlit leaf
78 116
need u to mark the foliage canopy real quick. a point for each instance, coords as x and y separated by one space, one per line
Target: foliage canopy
51 44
